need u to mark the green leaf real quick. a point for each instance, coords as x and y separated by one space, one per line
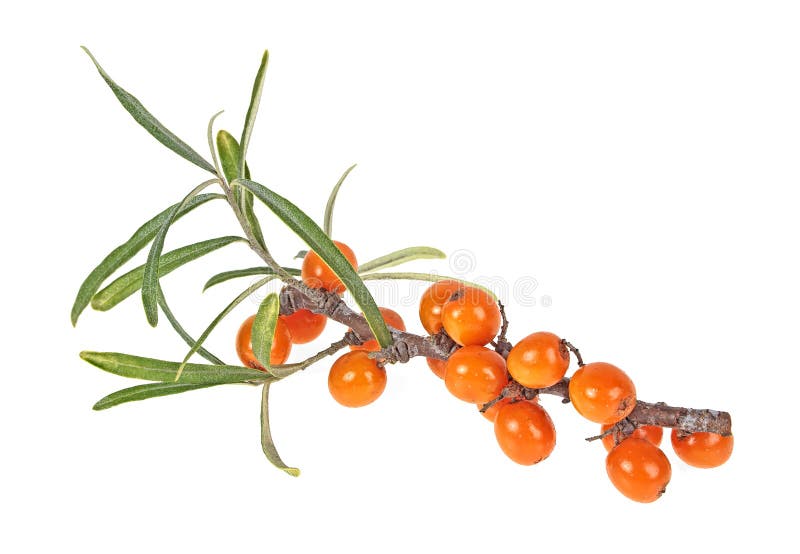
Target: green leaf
129 283
400 257
249 272
423 277
150 123
162 301
151 369
267 444
143 392
264 328
228 148
150 278
328 220
252 110
229 152
316 238
123 253
235 302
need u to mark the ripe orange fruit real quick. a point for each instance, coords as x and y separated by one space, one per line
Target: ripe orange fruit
539 360
281 344
437 366
473 318
602 393
316 273
304 325
525 432
475 374
702 449
650 433
392 319
638 469
356 380
430 305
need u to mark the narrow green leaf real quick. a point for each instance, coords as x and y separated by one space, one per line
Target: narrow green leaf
143 392
267 444
249 272
149 369
316 238
264 328
150 277
301 254
149 122
127 284
229 152
252 110
422 277
228 148
162 301
400 257
235 302
123 253
328 220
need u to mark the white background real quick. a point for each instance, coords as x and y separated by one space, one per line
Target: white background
638 161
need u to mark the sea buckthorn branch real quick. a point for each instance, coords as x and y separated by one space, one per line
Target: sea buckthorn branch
440 346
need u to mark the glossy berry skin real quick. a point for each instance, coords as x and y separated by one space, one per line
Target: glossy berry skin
525 432
304 325
392 319
316 273
356 380
539 360
638 469
430 305
437 366
475 374
472 319
703 450
602 393
491 413
650 433
281 344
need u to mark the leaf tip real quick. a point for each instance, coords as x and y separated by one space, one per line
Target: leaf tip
293 471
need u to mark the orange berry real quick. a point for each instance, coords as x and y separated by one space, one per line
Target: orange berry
702 449
281 344
437 366
650 433
316 273
539 360
473 318
356 380
602 393
304 325
638 469
475 374
491 413
525 432
430 305
392 319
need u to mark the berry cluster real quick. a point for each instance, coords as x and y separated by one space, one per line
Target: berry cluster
504 383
